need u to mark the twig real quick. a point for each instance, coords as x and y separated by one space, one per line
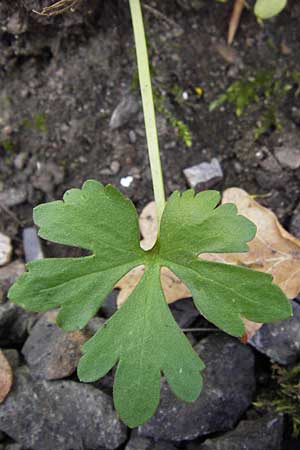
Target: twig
235 20
57 8
161 16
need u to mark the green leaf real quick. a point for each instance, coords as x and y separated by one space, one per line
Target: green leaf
142 338
96 218
224 294
192 225
265 9
146 341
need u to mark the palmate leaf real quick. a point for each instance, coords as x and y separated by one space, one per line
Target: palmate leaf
142 338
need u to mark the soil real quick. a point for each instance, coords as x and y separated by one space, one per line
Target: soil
61 79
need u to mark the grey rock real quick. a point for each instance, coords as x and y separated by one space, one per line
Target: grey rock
47 177
14 447
265 434
294 227
5 249
20 160
14 322
12 357
94 325
13 196
288 156
50 352
32 244
10 273
109 307
184 312
132 137
229 384
295 115
270 164
62 415
8 313
204 175
125 110
281 340
115 167
141 443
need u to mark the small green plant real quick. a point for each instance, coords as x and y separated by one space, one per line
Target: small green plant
266 89
177 124
38 123
7 145
142 338
287 398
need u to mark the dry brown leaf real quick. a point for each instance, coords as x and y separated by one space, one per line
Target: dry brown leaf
273 251
6 377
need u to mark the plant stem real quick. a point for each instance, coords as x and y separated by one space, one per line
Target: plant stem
148 105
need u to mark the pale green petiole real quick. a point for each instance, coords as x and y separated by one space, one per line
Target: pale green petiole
148 104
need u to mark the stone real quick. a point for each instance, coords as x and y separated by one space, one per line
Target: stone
288 157
280 341
115 167
6 377
14 322
50 352
229 385
17 23
294 227
13 357
5 249
31 244
13 196
204 175
20 160
47 176
60 415
94 325
125 110
109 306
265 433
9 274
270 164
8 313
14 446
141 443
184 312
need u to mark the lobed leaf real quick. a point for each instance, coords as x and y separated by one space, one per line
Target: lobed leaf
191 224
145 340
142 338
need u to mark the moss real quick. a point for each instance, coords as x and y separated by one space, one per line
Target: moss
285 398
267 90
38 123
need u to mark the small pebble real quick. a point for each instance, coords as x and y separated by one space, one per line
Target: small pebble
20 160
13 196
204 175
5 249
115 167
31 244
124 111
132 137
126 181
